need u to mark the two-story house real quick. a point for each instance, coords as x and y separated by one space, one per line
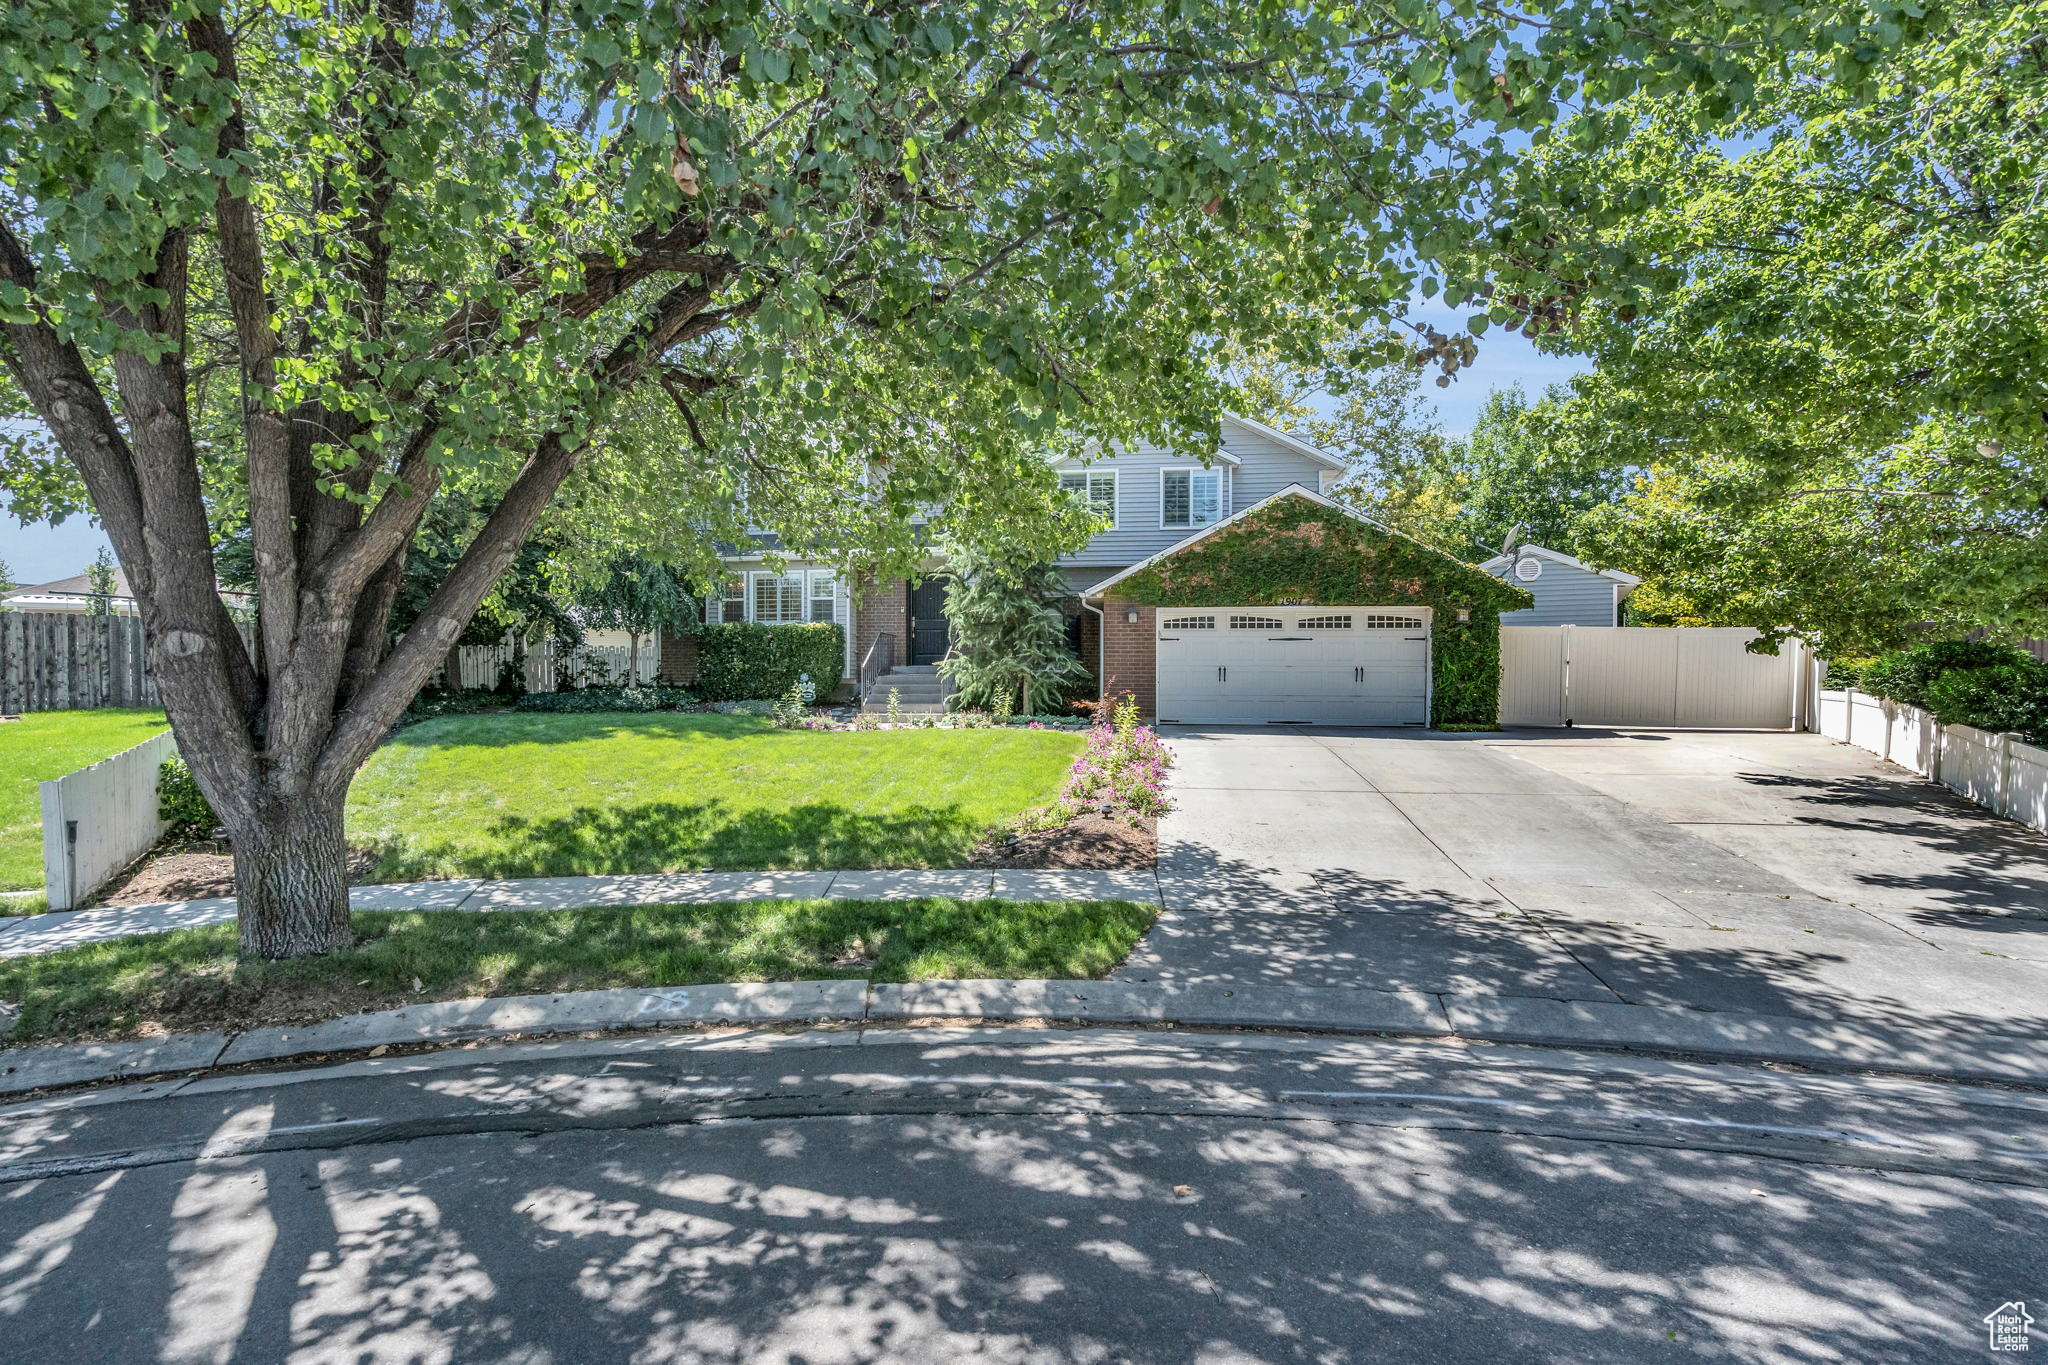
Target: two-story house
1268 650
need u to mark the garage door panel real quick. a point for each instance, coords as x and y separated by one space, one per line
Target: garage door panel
1320 665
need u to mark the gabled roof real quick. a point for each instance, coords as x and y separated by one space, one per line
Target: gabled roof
1499 562
1292 490
1293 443
78 585
1278 437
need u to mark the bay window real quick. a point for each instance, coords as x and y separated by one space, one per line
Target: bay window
778 598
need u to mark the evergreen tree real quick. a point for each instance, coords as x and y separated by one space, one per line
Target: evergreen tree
1010 646
7 583
100 582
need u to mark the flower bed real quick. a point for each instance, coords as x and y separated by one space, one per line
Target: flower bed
1121 775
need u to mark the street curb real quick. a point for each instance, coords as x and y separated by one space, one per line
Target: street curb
1139 1002
1832 1045
570 1012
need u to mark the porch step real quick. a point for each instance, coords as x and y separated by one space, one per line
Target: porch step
913 671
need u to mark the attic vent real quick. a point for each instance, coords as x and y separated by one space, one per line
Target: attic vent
1528 570
1393 622
1254 623
1188 623
1326 623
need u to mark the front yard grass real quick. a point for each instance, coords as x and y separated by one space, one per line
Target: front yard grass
554 795
42 745
190 980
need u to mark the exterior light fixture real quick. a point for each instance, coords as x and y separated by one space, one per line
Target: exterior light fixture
1464 615
1130 616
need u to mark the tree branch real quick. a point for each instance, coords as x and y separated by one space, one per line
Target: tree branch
266 432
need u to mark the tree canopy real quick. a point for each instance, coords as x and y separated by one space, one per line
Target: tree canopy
828 268
1837 358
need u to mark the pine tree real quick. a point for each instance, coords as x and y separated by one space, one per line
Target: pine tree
100 582
1010 645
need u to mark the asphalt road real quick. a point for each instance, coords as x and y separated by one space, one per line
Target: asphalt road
1014 1195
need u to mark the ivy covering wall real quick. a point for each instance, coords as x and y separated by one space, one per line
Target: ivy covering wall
1298 552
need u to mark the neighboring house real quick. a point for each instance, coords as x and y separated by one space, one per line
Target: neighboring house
1320 613
1568 591
70 594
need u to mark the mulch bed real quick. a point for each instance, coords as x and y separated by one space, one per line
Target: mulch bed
1090 842
196 871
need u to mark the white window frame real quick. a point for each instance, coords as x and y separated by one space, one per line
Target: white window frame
1222 473
803 600
829 581
744 597
1087 490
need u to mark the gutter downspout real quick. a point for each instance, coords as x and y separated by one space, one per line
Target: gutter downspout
1101 649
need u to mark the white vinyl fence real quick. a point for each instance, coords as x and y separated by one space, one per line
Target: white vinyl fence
99 819
1651 676
542 670
1999 772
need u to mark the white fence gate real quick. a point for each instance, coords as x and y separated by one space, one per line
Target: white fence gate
1650 676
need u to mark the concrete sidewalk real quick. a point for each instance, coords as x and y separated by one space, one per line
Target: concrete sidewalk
28 935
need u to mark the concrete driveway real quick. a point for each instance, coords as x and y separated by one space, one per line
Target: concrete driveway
1778 874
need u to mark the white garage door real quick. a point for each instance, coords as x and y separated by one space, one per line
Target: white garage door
1320 665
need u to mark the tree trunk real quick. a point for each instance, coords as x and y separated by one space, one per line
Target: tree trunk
291 879
633 659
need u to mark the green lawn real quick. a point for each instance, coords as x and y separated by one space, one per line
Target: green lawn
46 744
548 795
190 980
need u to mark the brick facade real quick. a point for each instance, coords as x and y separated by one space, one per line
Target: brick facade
1130 657
1091 642
678 663
880 606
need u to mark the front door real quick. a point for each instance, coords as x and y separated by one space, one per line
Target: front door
928 633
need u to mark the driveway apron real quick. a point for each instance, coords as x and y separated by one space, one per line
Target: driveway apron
1755 872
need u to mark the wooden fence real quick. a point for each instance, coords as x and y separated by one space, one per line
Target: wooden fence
66 661
63 661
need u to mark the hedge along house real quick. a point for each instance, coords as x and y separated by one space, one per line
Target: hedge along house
1299 610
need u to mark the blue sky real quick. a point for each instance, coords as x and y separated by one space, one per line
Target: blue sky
1505 359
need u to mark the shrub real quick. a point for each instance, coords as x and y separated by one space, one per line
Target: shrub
180 803
743 661
1843 673
586 699
2005 697
1120 774
1905 675
442 701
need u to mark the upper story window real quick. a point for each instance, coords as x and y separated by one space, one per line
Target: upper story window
1097 488
1190 497
778 598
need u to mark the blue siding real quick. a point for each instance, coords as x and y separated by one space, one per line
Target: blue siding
1565 597
1265 467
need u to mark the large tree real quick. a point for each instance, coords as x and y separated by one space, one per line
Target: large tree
311 268
1840 366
